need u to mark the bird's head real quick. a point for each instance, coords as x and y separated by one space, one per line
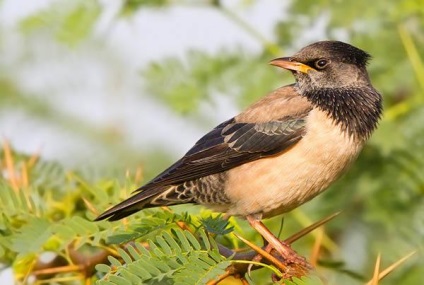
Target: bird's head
327 64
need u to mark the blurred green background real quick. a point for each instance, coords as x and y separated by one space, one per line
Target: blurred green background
106 86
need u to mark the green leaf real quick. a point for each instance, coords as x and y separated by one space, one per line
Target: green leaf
124 255
150 226
70 23
134 279
118 280
183 240
133 252
114 262
170 257
132 6
193 241
139 271
103 268
32 236
163 245
217 225
172 243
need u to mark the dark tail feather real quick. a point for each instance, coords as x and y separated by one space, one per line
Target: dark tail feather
129 206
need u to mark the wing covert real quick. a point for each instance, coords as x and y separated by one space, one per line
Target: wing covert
231 144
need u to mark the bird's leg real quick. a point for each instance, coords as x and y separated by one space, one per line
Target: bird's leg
282 248
273 241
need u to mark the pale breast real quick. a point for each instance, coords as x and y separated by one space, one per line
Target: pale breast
278 184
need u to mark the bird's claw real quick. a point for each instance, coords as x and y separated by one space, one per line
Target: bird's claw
296 264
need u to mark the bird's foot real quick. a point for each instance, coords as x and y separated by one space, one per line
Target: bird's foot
291 257
289 260
282 256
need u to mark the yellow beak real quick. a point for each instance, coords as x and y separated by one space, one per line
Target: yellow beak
287 63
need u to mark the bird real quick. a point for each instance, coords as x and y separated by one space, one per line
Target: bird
281 151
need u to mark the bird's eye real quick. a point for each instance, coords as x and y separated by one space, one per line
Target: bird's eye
321 63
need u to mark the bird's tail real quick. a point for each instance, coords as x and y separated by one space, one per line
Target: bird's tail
135 203
146 198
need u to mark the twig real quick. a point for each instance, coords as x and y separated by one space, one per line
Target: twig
265 254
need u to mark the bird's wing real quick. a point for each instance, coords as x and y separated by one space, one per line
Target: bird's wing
229 145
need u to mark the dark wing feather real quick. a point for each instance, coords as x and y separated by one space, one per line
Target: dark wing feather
228 145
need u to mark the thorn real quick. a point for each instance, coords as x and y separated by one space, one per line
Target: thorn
392 267
375 278
310 228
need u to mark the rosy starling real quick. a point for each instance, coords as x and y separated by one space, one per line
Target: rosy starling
281 151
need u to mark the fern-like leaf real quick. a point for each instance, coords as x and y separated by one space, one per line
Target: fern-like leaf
175 254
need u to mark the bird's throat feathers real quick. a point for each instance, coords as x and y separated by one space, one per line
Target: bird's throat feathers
356 109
